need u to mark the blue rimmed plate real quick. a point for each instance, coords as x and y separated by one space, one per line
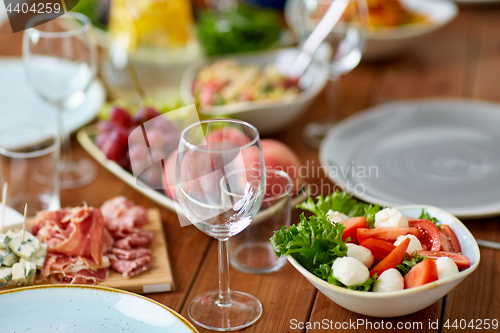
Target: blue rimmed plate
84 309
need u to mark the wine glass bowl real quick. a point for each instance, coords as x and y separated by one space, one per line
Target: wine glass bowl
220 185
347 39
60 61
348 36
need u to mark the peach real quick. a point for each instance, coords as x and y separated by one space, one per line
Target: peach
277 155
169 175
228 134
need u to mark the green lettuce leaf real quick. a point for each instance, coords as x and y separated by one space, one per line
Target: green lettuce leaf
312 242
341 202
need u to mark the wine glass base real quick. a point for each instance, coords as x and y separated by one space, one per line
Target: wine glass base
76 174
207 313
314 132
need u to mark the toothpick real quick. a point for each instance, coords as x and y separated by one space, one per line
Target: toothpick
4 203
24 221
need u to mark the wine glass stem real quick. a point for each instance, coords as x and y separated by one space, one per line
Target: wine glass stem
224 297
333 98
65 140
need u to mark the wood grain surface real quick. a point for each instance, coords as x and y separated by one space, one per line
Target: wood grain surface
461 60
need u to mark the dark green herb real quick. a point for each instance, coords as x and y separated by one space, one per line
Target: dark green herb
409 262
425 216
245 28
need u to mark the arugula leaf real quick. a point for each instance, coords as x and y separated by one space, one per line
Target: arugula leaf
425 216
409 262
341 202
312 242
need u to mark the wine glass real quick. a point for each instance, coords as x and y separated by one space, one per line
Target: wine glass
60 60
347 39
220 184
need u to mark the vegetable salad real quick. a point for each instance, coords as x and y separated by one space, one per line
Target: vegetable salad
227 82
367 247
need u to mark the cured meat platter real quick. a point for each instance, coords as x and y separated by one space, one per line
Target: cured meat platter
158 279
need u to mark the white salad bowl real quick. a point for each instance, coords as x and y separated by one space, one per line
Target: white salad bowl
268 117
400 303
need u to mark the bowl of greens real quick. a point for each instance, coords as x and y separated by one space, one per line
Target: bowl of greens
376 261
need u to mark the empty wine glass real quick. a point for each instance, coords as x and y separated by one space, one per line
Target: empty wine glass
60 61
347 39
220 183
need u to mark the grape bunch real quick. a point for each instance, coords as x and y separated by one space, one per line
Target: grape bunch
121 142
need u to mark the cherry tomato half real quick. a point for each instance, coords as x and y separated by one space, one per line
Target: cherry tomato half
422 273
351 227
393 259
379 248
462 261
449 241
430 237
388 233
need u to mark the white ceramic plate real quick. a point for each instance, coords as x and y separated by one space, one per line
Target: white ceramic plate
482 2
84 309
444 153
21 105
385 42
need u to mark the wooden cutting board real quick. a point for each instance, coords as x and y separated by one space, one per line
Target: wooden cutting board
158 279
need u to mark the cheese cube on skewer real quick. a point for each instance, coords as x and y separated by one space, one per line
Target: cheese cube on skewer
7 257
5 276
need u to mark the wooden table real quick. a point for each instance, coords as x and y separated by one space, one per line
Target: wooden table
461 60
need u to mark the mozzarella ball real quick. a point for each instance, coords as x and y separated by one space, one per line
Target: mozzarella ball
350 271
337 217
361 253
389 217
389 280
414 243
446 267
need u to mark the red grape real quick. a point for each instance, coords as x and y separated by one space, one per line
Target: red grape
120 117
144 114
104 127
116 143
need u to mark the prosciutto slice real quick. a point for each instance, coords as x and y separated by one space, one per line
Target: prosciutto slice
129 254
124 220
78 231
76 240
123 217
130 268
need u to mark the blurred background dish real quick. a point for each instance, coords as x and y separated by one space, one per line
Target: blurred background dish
149 43
393 24
436 152
268 116
471 2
